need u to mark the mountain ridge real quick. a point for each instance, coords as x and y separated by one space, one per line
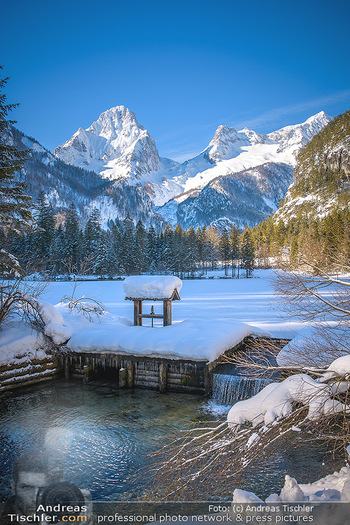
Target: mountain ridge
120 161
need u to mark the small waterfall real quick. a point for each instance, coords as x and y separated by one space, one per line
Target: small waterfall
228 389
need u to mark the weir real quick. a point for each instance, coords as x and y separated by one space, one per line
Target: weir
154 373
173 375
228 389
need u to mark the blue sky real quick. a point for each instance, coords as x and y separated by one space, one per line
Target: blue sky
183 67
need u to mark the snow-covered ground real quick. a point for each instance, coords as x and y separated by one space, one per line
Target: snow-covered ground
250 301
212 316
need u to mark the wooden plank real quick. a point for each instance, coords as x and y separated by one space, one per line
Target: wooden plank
147 384
167 321
130 376
137 313
151 316
162 378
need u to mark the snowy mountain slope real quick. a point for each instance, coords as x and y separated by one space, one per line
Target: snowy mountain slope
65 184
117 147
293 138
233 151
322 174
114 165
243 198
260 170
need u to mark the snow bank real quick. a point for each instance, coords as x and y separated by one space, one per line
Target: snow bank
332 488
293 354
151 286
191 339
19 341
339 367
309 346
276 399
54 323
195 340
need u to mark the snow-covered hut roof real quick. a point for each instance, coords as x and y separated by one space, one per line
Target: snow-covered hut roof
152 287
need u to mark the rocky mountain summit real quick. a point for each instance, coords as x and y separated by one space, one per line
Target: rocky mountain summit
115 146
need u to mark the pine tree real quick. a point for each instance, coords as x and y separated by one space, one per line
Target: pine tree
247 252
140 248
101 262
15 206
179 249
128 255
114 252
212 243
58 251
191 250
152 250
204 248
234 249
92 234
167 258
72 247
44 236
224 246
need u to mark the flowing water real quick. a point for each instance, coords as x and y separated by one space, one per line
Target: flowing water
104 437
228 389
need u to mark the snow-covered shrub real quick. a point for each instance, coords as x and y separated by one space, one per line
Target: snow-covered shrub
90 308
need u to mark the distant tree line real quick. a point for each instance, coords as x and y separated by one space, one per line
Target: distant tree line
323 240
59 245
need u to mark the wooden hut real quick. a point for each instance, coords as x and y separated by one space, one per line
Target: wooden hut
152 288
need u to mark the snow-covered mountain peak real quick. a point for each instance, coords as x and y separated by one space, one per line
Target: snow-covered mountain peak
118 148
254 137
115 121
115 145
226 144
320 118
294 137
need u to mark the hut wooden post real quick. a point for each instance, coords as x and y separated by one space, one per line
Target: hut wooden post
167 314
137 312
130 376
162 378
87 373
207 383
66 368
123 377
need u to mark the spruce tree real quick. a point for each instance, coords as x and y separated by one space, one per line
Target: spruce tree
92 234
224 245
72 247
247 252
101 262
234 248
167 258
15 206
179 247
128 245
212 242
191 251
140 248
45 232
152 250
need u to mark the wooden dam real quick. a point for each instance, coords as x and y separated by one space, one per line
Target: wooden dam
164 375
127 371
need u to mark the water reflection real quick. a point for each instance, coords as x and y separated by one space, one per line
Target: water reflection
104 436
